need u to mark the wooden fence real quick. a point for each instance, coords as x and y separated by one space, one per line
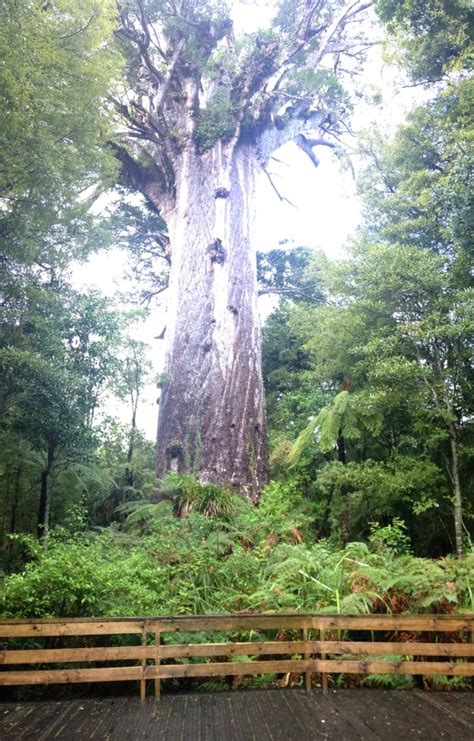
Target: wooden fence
306 644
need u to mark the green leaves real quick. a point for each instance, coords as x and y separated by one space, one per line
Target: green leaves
346 417
57 65
435 36
216 121
58 354
189 495
199 564
419 186
392 349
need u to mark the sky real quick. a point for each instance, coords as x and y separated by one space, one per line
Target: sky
324 212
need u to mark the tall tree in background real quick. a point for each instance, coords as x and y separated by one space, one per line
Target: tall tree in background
57 63
56 358
433 38
136 372
206 114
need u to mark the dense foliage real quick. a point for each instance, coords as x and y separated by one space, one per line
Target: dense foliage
61 348
240 559
58 62
370 393
373 409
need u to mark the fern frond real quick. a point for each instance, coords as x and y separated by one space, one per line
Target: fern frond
302 443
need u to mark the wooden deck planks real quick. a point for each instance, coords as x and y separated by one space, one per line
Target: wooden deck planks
397 714
456 709
324 717
263 715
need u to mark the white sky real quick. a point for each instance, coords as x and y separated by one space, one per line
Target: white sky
325 210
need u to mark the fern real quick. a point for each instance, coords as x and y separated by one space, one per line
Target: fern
143 512
302 443
347 416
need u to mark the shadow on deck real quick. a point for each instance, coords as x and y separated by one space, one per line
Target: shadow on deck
260 715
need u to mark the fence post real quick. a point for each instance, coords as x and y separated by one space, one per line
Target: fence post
324 676
307 655
143 663
157 663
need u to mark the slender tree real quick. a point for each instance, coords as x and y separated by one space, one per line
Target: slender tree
136 372
206 113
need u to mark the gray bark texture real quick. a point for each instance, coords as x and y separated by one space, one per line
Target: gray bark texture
212 415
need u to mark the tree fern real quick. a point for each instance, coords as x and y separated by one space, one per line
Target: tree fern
143 512
347 416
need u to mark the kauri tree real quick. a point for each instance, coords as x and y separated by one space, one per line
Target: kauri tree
204 112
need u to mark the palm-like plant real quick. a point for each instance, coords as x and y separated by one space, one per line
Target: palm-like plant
345 418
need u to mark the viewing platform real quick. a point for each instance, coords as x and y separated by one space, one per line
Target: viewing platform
247 715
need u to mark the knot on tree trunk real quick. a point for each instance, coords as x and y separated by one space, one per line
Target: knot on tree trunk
221 193
216 252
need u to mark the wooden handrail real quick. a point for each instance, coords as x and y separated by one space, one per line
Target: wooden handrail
320 646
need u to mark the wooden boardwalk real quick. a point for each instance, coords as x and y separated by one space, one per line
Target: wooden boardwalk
253 715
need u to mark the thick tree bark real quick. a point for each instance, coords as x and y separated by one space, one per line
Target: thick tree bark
212 417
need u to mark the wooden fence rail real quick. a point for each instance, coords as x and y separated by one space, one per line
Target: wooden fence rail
306 644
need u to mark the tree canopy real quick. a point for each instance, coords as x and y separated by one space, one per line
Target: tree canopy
58 64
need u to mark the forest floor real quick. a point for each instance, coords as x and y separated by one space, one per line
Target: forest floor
260 715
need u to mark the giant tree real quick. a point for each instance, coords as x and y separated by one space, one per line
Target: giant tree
205 112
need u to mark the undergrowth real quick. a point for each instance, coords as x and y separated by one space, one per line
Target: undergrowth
224 556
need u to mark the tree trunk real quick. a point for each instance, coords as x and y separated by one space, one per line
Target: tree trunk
129 475
200 88
456 491
43 513
44 505
16 495
341 448
212 417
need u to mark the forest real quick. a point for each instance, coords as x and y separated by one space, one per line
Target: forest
322 462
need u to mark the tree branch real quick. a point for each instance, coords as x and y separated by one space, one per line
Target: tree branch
304 26
79 30
349 10
290 290
282 198
307 146
162 92
140 39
